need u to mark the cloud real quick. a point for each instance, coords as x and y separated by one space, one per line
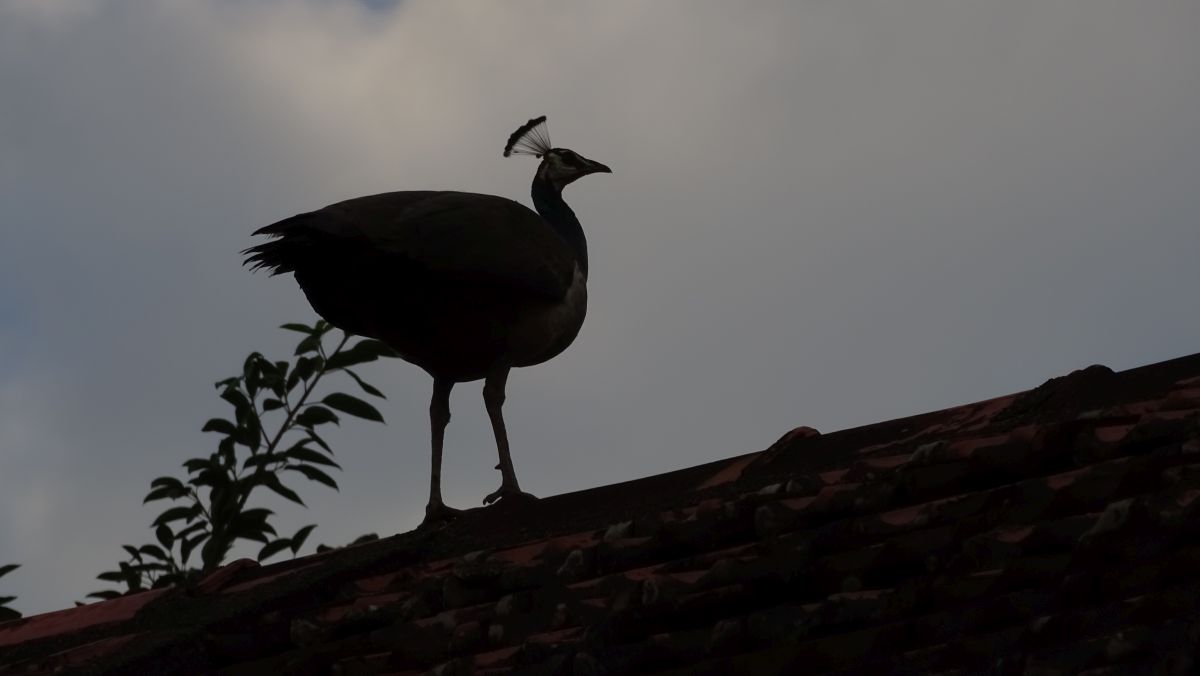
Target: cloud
821 213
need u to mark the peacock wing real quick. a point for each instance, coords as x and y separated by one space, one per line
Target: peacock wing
451 235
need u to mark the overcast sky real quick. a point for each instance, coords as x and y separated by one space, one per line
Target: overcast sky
821 213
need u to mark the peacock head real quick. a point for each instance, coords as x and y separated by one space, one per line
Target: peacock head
560 166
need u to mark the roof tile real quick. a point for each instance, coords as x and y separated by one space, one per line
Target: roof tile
1052 531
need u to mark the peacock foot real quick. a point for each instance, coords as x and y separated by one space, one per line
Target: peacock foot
509 493
438 514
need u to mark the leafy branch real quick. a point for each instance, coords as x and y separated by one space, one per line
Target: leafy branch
210 509
7 613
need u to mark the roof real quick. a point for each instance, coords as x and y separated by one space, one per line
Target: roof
1050 531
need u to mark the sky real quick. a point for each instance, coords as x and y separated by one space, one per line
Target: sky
820 213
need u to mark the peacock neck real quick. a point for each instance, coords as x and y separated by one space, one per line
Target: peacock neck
547 199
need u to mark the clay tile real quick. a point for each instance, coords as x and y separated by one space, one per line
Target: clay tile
922 545
832 477
304 633
805 484
929 452
795 434
65 622
416 607
777 623
770 489
477 570
1115 516
223 576
618 531
730 471
516 578
511 604
772 519
496 634
725 635
917 515
466 637
576 566
662 589
722 572
586 664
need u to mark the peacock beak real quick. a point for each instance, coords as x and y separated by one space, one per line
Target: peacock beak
597 168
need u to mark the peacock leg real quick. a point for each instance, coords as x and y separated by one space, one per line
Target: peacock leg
493 399
439 416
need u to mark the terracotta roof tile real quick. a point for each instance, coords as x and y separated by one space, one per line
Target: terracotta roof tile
1051 531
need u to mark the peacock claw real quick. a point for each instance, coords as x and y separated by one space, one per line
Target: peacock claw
509 493
439 514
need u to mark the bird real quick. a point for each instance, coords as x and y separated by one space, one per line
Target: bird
467 286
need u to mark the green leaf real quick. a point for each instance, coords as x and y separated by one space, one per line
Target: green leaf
235 398
271 481
310 344
224 504
186 547
262 459
156 494
381 348
167 482
250 436
211 477
106 595
267 368
195 465
280 375
363 351
366 387
164 492
301 328
6 569
320 442
304 454
252 372
300 536
133 552
250 531
111 576
271 404
257 514
305 367
170 578
314 474
228 382
316 415
251 365
272 374
164 536
172 514
272 548
155 551
219 425
198 525
353 406
213 552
